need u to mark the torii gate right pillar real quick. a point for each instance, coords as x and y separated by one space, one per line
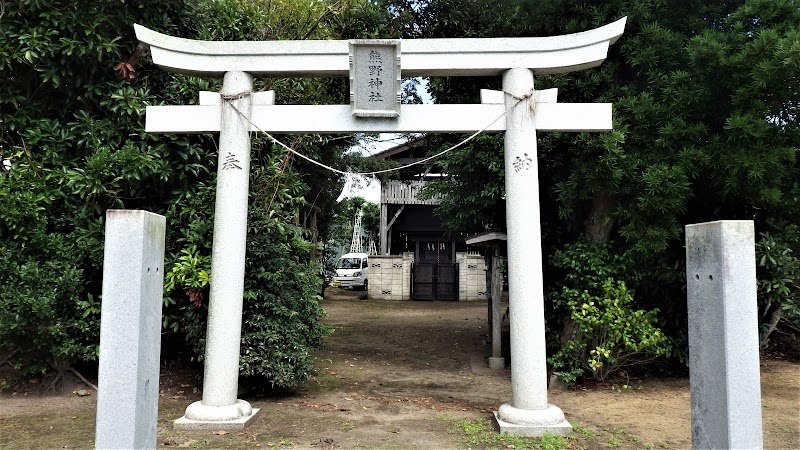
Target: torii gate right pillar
528 414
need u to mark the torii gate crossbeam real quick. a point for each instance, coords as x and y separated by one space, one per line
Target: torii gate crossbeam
463 118
421 57
516 59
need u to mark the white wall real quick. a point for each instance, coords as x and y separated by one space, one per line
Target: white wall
390 277
471 277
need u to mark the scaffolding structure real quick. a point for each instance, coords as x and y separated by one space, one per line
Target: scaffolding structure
355 243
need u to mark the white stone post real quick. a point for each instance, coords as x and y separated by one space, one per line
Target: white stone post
219 407
528 413
724 374
130 330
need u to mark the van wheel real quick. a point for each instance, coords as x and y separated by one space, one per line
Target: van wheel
365 285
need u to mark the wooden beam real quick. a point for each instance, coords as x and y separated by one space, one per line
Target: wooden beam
382 231
396 215
496 293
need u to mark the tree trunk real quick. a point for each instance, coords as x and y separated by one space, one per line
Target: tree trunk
769 327
600 222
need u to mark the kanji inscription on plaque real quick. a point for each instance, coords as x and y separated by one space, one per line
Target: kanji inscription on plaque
375 77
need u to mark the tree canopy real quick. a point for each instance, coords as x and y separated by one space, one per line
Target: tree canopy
73 88
705 128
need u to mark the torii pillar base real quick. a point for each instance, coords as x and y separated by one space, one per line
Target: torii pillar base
531 423
234 417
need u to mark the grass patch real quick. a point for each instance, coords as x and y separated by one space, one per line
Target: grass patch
586 433
479 433
340 328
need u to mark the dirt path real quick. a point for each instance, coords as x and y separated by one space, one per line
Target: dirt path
392 374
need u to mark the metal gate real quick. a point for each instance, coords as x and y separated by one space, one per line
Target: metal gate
431 281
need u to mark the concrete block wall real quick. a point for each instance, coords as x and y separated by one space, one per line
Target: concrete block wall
390 277
471 277
377 268
408 261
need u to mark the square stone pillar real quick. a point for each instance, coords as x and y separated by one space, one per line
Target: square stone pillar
724 374
130 330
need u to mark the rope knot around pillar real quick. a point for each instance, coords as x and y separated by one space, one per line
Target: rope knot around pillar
229 100
529 97
238 96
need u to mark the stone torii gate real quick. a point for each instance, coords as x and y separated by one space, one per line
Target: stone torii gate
375 68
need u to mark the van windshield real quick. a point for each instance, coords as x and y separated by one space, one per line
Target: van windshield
349 263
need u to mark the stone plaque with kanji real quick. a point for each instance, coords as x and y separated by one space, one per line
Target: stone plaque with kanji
375 77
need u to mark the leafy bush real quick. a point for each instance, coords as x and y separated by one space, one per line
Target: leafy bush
282 315
71 131
610 335
778 289
603 331
188 265
47 317
586 265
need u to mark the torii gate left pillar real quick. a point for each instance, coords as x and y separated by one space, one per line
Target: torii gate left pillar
526 111
224 327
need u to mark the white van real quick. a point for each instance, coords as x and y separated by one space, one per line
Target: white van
352 271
